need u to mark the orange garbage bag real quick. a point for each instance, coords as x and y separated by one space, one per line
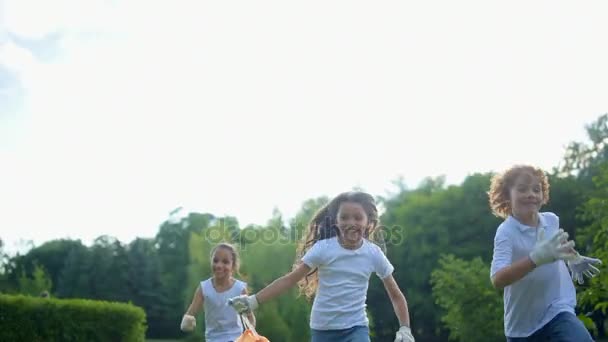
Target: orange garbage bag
250 335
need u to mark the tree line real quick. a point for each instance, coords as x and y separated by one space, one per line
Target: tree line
439 237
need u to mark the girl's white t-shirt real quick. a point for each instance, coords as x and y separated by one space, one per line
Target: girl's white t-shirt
343 281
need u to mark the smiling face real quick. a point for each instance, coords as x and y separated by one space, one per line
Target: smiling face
526 196
222 263
352 223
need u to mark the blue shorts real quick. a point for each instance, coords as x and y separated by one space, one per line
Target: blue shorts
358 333
564 327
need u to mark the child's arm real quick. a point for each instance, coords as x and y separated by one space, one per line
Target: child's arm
250 315
513 273
282 284
197 302
516 271
189 321
246 303
404 334
398 300
544 251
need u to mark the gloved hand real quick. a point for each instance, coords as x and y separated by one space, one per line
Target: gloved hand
557 247
404 334
583 265
243 303
188 323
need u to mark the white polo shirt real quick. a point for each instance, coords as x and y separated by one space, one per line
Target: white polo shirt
539 296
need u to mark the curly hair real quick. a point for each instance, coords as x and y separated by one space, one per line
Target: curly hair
323 226
502 183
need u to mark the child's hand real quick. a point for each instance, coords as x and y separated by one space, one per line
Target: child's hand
557 247
404 334
243 303
583 265
188 323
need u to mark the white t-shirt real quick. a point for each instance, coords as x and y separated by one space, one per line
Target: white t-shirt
222 322
343 281
540 295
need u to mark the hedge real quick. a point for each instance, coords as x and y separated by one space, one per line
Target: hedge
24 318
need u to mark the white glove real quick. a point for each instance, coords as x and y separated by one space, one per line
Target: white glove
243 303
188 323
404 334
583 265
557 247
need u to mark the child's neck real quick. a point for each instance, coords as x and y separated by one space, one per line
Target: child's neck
350 245
222 282
530 220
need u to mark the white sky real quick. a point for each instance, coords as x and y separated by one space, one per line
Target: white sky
113 113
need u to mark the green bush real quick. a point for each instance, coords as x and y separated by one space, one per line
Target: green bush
24 318
472 308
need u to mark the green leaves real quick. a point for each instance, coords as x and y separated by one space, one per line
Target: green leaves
35 284
473 308
593 297
24 318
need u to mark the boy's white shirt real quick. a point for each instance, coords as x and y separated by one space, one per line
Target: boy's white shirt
343 282
538 297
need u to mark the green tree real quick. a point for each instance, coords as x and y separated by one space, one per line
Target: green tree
74 279
298 225
51 255
472 308
566 195
586 161
4 259
583 159
268 257
593 240
35 283
110 280
171 242
422 224
146 287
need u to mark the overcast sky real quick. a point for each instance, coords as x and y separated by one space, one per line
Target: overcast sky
113 113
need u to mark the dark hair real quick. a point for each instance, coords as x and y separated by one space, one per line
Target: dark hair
235 255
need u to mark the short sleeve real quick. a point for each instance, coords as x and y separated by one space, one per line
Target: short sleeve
552 220
314 256
382 266
503 252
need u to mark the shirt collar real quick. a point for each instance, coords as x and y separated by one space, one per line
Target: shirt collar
522 227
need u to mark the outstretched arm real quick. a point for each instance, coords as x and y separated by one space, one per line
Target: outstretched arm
282 284
246 303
